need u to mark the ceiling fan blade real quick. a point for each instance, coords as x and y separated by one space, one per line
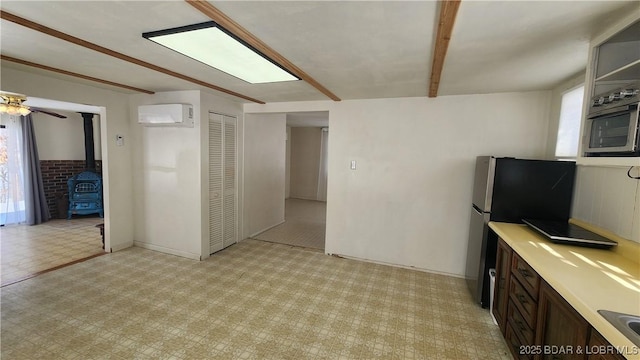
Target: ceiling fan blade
17 99
7 94
38 110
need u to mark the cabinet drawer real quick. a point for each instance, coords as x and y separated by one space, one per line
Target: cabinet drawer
515 345
519 324
523 302
527 276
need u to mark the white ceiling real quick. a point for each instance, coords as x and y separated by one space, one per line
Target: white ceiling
356 49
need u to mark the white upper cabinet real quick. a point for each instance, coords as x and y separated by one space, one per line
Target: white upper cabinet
618 60
614 62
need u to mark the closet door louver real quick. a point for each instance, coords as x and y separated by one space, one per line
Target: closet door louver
223 183
215 183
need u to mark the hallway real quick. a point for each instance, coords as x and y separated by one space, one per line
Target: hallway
304 226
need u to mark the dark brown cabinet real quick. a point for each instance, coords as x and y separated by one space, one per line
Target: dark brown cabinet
501 292
522 309
600 349
560 328
536 321
518 349
523 302
514 302
526 276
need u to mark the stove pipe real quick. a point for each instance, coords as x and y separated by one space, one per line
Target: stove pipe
90 157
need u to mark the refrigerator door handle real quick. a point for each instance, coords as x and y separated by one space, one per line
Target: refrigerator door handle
483 182
491 177
485 215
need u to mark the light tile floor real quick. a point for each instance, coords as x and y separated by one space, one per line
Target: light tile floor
26 250
253 300
305 223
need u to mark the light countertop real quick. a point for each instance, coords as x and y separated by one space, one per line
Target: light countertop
588 279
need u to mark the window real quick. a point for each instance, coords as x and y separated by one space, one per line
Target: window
12 204
569 125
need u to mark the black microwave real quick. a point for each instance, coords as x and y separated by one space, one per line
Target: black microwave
612 124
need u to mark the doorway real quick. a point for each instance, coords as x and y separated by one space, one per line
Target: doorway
305 182
304 225
30 250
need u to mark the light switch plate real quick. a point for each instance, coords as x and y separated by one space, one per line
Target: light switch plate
119 140
353 164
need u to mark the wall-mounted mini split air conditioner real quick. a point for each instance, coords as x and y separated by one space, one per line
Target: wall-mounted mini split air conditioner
166 115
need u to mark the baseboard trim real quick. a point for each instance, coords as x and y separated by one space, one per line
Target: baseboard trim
167 250
306 199
119 247
397 265
267 228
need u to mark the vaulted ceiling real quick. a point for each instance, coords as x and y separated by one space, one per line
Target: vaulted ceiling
355 49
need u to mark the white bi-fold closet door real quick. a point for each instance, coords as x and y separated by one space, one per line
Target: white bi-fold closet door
223 182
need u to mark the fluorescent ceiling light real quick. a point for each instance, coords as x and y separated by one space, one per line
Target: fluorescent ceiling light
211 44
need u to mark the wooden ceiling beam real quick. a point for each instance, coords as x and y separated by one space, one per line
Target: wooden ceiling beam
65 72
226 22
448 12
89 45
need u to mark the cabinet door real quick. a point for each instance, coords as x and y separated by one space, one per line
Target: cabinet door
597 344
501 291
561 330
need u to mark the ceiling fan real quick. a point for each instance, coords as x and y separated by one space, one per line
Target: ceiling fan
12 104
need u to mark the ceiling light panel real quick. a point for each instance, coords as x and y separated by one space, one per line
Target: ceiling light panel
211 45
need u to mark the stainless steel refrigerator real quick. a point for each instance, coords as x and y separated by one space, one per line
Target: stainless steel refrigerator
509 190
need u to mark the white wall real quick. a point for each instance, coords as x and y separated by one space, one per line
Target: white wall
305 162
608 198
171 175
116 172
166 172
264 162
408 202
63 139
